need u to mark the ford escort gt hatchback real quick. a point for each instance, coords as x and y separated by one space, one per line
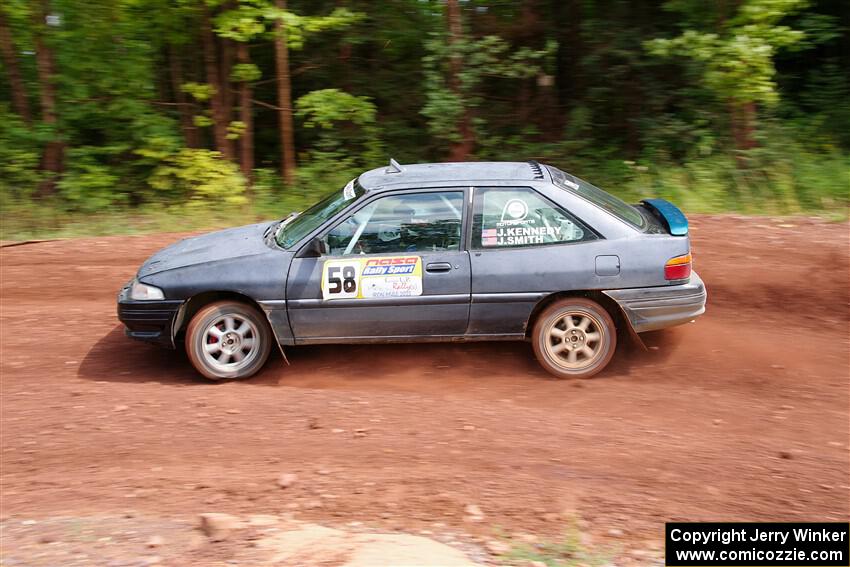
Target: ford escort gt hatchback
427 252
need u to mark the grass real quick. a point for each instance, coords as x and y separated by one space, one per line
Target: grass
800 184
569 551
32 223
35 221
26 226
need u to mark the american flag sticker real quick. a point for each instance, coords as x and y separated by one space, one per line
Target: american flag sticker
488 233
490 241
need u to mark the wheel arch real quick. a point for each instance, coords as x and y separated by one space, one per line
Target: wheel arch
621 321
198 301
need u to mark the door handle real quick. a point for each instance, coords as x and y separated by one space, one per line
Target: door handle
438 267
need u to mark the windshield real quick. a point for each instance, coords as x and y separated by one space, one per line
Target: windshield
598 197
291 231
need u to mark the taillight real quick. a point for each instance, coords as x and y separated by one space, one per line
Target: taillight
678 268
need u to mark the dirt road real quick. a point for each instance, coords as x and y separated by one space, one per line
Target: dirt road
742 415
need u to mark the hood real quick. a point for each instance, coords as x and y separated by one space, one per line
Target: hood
215 246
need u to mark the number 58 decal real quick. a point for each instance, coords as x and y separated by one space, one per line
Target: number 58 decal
340 279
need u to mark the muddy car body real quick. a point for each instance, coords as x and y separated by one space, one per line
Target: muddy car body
427 252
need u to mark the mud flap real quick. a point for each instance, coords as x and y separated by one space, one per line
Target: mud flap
176 323
632 333
283 354
279 346
635 337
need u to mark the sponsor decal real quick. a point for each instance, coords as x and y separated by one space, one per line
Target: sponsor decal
390 266
361 278
521 224
348 190
515 210
520 235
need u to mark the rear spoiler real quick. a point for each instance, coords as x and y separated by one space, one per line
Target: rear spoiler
674 220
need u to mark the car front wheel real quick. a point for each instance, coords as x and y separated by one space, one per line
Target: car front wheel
574 338
228 340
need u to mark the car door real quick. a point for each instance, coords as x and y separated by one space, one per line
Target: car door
523 247
394 268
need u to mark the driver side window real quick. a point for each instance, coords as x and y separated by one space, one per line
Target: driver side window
418 222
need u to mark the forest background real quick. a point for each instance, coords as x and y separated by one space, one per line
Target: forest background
120 116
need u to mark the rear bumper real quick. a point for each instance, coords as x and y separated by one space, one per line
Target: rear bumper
652 308
149 321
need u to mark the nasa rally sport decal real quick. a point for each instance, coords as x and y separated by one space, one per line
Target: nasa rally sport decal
364 278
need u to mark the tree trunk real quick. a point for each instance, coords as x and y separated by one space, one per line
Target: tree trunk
345 69
284 99
219 113
345 50
748 118
742 122
226 50
569 79
52 158
13 73
246 142
460 150
187 123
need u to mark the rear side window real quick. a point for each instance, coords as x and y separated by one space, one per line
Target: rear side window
509 217
598 197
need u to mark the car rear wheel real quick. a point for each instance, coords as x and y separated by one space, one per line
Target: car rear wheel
574 338
228 340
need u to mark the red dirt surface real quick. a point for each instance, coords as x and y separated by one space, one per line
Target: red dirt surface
742 415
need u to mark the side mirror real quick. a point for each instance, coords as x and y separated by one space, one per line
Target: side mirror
314 249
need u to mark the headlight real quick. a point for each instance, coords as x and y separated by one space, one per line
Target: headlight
141 292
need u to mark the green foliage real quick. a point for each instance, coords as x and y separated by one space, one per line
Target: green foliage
326 107
641 98
569 551
235 130
202 121
739 63
89 185
250 19
201 92
782 177
346 121
20 152
245 73
243 23
488 57
824 115
298 27
199 179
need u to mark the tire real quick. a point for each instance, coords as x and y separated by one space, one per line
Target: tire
574 338
228 340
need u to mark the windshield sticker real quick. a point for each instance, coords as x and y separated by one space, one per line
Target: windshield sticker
515 228
362 278
572 185
520 235
515 211
348 190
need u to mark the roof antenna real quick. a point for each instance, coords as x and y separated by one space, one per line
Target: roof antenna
394 167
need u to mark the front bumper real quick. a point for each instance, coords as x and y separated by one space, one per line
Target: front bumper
652 308
149 321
